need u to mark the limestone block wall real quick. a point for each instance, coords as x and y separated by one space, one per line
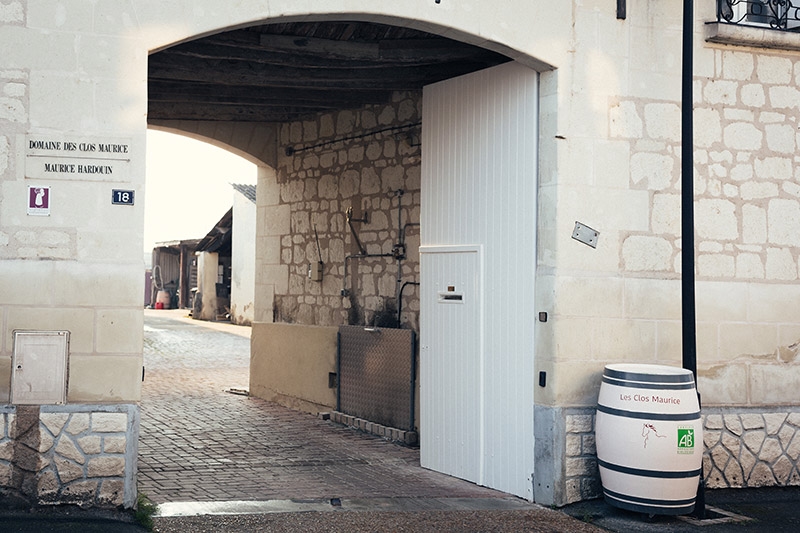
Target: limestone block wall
69 454
351 159
625 295
79 268
747 214
746 183
618 170
747 209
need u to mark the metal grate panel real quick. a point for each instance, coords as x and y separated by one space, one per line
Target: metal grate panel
376 368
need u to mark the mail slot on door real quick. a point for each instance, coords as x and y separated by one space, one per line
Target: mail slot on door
451 296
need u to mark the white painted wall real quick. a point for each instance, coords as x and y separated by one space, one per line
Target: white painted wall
243 260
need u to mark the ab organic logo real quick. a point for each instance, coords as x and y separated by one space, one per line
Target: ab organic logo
685 440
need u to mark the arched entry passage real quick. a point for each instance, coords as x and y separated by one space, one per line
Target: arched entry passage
298 71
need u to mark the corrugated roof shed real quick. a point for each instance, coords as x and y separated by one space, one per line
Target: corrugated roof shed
219 238
249 191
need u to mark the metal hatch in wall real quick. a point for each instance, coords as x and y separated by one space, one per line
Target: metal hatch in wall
39 367
377 375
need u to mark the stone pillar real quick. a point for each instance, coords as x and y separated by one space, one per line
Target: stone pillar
207 265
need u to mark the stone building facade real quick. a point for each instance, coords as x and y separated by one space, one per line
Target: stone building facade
608 124
746 220
366 161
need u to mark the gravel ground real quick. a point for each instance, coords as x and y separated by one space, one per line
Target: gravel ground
536 521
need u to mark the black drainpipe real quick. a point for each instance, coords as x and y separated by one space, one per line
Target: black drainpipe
688 308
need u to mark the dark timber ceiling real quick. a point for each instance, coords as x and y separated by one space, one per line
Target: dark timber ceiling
284 72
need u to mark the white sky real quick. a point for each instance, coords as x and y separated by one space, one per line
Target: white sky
188 186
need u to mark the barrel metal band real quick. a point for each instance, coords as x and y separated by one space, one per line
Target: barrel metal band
661 474
649 501
649 378
680 417
640 385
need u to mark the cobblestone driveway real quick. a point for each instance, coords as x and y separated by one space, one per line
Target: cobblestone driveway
200 443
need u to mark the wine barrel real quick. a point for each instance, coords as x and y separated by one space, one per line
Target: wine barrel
649 438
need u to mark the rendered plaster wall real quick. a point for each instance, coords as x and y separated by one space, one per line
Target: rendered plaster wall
207 276
290 364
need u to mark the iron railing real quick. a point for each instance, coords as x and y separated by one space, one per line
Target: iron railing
783 15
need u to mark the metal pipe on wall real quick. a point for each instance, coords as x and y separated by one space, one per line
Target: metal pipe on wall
398 251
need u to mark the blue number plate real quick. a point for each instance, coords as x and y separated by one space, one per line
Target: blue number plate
121 197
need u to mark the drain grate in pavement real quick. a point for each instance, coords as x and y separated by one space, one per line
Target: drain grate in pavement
715 516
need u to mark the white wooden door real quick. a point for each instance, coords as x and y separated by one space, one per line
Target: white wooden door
479 190
449 431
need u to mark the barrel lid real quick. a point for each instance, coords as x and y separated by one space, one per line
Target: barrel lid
644 372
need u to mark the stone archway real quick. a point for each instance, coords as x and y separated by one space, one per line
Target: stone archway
372 71
77 77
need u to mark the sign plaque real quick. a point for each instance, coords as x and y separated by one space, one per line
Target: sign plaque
39 201
53 157
121 197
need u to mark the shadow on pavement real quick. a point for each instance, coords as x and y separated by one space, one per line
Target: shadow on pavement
772 509
64 519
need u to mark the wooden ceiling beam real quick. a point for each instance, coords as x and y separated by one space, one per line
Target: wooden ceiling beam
183 99
208 50
283 72
262 75
199 91
320 47
285 49
227 113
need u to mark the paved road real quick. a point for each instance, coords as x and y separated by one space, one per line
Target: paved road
201 446
200 443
